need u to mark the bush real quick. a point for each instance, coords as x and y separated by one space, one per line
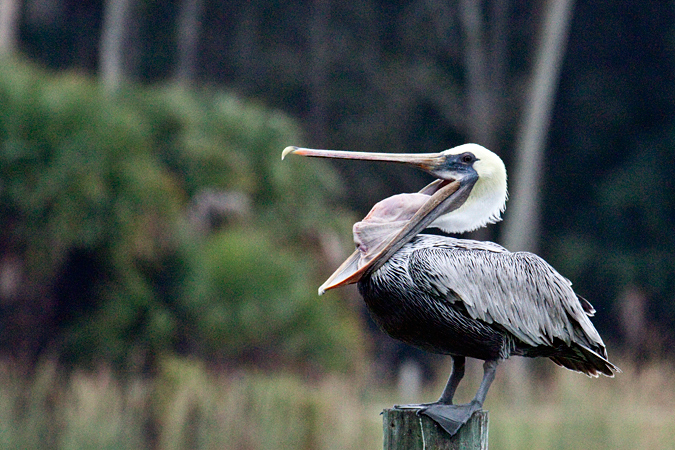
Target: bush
100 202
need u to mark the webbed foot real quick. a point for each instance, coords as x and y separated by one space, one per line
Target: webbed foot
450 417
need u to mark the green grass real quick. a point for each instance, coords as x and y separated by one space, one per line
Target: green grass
187 406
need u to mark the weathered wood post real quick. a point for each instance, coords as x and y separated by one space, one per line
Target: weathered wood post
405 430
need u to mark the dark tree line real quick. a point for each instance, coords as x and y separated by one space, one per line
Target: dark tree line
424 76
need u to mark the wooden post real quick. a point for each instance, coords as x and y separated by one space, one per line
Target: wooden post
405 430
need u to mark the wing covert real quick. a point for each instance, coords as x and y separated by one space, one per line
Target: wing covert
518 291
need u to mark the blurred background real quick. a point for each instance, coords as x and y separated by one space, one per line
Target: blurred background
159 263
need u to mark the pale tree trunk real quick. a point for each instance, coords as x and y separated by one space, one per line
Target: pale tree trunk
9 24
521 227
498 61
479 124
485 57
114 37
189 28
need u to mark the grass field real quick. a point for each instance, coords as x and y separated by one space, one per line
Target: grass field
188 407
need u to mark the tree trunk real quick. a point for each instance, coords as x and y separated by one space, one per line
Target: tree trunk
485 65
189 28
498 58
480 125
9 25
318 74
114 36
246 49
521 227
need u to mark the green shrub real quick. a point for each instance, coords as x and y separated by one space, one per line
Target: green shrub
96 194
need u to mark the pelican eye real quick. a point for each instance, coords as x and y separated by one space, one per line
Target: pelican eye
467 158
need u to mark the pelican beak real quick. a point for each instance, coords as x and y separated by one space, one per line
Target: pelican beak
428 162
444 196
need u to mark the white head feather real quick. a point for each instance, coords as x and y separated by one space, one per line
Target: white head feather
488 197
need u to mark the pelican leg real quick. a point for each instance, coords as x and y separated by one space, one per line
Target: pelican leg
452 417
458 364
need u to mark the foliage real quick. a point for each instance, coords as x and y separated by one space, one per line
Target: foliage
99 201
245 292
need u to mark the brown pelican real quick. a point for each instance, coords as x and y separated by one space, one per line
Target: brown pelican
460 297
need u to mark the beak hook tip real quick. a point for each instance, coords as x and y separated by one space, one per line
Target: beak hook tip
287 150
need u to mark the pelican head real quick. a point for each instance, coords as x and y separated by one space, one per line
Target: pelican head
487 200
470 192
470 164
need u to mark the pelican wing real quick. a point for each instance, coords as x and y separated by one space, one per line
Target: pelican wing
519 291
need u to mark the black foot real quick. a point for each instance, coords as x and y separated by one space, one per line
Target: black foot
450 417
